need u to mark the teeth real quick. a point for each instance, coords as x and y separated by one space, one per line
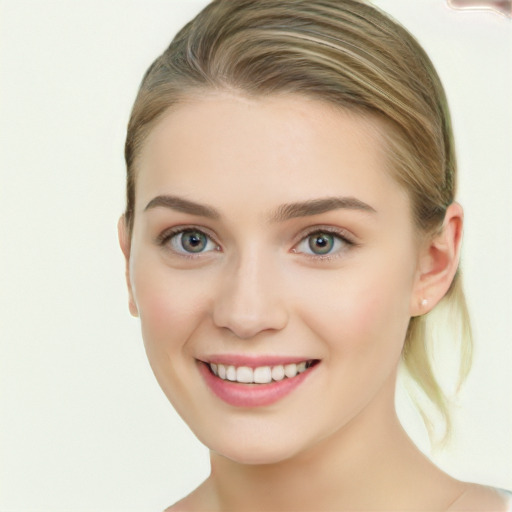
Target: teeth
263 375
259 375
244 374
278 372
231 373
290 370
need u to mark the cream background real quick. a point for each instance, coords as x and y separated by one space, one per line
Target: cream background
83 424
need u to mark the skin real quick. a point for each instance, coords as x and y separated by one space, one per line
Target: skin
257 289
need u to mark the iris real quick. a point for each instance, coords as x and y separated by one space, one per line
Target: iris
321 243
193 241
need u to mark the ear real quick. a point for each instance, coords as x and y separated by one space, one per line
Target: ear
438 262
125 243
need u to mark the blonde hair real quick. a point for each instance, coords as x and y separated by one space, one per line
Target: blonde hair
346 53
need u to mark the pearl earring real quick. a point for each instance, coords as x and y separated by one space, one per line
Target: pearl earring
424 302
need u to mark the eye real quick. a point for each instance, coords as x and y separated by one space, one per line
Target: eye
190 241
322 243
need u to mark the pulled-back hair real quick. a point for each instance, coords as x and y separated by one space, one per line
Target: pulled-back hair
348 54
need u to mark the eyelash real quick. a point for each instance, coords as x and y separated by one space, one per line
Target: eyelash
341 235
165 237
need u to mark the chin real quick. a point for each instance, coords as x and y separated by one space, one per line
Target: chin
256 457
254 451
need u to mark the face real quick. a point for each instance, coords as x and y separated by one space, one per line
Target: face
273 265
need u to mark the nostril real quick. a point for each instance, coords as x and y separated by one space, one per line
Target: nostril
247 306
247 326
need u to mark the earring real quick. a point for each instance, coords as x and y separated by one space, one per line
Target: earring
424 302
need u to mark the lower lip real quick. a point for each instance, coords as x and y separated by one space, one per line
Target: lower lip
251 395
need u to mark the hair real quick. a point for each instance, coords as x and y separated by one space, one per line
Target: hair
348 54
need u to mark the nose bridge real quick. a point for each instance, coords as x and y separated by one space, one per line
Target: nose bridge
249 299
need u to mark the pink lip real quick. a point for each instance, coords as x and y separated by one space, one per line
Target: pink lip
251 395
253 361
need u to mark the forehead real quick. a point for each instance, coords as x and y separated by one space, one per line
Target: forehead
284 148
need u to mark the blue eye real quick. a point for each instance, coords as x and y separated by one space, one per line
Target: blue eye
321 243
191 241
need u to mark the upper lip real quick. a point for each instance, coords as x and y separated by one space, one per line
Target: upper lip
254 361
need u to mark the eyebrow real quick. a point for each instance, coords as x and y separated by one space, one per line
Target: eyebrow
281 214
317 206
183 205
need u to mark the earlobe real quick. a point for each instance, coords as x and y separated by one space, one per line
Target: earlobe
125 244
438 262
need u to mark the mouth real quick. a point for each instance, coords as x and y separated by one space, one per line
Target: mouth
251 384
260 374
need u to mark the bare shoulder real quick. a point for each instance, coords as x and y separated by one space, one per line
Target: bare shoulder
183 505
175 508
198 499
481 498
187 504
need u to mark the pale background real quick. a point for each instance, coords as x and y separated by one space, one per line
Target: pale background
83 425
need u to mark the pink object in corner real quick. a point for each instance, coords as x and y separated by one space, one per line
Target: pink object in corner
501 6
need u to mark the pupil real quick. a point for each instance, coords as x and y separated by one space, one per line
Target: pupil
193 241
321 244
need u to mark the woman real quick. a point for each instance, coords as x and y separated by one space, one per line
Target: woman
290 225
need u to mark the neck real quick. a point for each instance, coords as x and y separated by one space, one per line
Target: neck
354 468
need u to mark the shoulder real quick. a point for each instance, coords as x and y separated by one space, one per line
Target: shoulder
481 498
198 499
184 505
180 506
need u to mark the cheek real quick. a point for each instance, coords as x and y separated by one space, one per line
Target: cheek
171 305
363 312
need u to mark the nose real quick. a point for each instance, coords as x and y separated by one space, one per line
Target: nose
250 299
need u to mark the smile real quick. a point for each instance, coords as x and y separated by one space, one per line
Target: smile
255 386
261 374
